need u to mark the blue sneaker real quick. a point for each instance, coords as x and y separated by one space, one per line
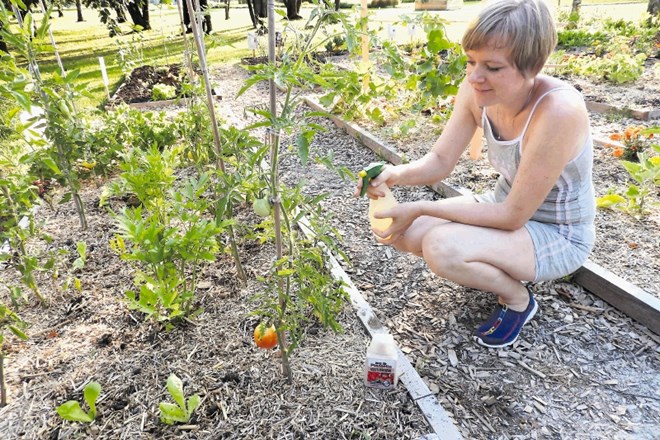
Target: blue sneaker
503 326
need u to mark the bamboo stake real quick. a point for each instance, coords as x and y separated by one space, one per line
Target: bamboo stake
214 126
207 85
277 206
187 53
3 386
365 43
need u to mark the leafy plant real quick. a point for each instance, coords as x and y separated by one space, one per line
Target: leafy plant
418 76
183 409
635 140
78 264
72 411
130 53
18 196
615 49
62 142
168 246
8 320
299 287
646 175
161 92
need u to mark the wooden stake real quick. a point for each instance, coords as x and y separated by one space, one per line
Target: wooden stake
365 44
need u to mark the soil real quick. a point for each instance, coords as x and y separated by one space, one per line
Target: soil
580 370
320 57
139 84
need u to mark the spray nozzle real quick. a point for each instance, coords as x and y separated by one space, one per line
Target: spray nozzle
369 173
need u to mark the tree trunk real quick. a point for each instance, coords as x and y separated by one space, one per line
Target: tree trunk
3 45
227 9
139 12
207 27
260 8
186 17
293 9
653 7
79 9
575 7
337 2
145 15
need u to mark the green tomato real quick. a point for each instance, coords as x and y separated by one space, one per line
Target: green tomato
261 207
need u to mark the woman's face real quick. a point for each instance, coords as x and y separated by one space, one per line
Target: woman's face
493 76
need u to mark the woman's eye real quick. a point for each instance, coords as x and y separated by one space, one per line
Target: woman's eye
494 69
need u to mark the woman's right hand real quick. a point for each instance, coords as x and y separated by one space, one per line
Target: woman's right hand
389 176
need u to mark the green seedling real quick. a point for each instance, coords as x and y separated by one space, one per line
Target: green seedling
182 411
71 410
8 320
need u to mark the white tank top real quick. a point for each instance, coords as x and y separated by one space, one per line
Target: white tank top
571 199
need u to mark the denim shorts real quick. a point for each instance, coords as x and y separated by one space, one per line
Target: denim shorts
560 249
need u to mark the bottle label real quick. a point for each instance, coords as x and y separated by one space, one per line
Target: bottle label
381 373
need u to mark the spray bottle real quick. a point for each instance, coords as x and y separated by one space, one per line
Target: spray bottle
380 204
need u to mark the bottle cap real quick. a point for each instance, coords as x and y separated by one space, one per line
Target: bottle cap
383 343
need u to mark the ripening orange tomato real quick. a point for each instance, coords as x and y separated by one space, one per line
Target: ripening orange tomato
265 337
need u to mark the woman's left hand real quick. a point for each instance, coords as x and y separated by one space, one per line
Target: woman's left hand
402 216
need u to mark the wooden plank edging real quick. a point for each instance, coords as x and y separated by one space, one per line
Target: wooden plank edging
641 114
621 294
439 420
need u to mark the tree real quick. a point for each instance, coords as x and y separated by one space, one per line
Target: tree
293 9
139 12
206 22
653 7
258 10
79 10
575 7
137 9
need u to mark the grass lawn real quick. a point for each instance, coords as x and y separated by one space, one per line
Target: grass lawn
80 44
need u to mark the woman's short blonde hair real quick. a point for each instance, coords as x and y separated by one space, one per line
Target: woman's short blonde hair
525 27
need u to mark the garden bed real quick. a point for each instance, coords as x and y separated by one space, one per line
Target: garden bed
639 100
580 370
137 89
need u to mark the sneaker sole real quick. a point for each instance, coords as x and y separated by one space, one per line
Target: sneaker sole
506 344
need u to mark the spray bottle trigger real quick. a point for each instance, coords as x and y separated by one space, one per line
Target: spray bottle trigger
369 173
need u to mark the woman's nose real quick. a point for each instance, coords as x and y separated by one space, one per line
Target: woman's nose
474 76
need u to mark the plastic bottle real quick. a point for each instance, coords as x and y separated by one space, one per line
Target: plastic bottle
380 367
380 204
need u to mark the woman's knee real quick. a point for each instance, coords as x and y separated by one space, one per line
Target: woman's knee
441 250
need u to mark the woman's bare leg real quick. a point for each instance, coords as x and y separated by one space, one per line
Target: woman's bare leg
487 259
